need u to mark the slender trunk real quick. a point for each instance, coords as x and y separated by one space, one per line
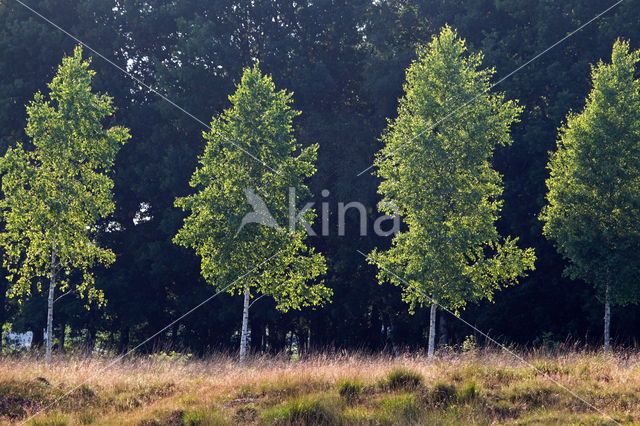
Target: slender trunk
52 285
607 321
432 330
244 335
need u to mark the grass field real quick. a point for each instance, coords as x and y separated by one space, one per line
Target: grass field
472 388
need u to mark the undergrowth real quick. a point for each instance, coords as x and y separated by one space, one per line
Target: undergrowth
463 389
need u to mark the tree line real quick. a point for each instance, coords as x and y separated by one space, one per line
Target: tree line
346 73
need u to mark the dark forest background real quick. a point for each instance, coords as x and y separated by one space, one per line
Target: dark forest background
344 61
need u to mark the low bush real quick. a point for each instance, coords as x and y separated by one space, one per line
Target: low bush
441 394
402 378
350 390
468 392
303 411
399 409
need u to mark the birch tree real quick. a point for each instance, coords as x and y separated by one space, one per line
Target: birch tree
437 175
593 201
57 188
250 171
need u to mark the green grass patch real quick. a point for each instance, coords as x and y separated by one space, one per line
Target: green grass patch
128 398
532 394
468 392
550 367
286 388
398 409
402 379
55 419
502 409
350 390
308 410
204 417
358 415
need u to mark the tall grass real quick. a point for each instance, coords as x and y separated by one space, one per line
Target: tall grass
474 387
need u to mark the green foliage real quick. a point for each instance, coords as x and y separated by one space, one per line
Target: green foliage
57 188
56 419
402 378
469 344
259 123
397 409
203 417
346 89
288 387
246 391
350 390
533 393
437 174
468 392
306 410
171 356
549 367
593 210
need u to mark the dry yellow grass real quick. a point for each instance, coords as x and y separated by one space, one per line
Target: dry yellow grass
485 388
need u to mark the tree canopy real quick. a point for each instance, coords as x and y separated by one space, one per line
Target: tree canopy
57 187
593 209
57 191
251 147
437 174
345 62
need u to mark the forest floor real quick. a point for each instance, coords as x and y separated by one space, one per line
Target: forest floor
470 388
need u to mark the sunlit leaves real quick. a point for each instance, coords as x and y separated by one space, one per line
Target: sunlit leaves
436 172
57 189
258 124
593 210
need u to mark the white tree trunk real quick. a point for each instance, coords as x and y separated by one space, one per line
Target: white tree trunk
607 322
52 286
244 335
432 330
